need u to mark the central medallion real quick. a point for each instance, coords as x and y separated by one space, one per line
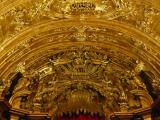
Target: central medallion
79 7
82 7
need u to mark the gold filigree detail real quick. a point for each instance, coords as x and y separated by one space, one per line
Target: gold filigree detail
74 71
28 14
95 63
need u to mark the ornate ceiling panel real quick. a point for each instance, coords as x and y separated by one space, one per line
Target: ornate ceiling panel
87 48
140 15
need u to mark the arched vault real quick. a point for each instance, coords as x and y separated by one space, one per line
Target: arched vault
94 49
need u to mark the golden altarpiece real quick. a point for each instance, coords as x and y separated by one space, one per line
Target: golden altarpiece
71 57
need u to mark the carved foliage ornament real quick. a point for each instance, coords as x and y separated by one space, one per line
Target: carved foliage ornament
35 11
72 72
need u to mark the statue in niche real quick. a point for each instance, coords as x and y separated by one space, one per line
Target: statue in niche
123 102
79 58
34 82
135 102
45 100
37 103
136 84
52 82
22 84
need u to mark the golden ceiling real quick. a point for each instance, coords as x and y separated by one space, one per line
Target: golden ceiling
65 47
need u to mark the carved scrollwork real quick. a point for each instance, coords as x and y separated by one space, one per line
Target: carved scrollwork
99 62
80 69
29 13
